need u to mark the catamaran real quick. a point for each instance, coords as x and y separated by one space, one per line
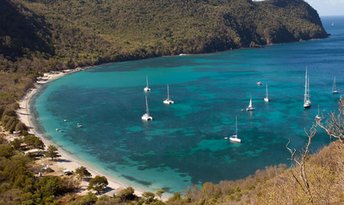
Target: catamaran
334 87
266 99
307 101
168 101
259 83
146 89
146 116
317 117
250 106
234 138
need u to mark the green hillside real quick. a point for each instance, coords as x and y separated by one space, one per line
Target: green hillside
80 32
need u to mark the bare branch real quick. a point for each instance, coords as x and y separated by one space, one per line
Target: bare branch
302 179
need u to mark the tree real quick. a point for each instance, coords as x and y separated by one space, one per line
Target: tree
47 188
82 172
90 198
148 197
6 151
33 141
98 183
20 127
51 152
334 126
16 143
302 179
159 193
126 194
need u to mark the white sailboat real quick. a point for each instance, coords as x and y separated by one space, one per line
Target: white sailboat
317 117
146 116
168 101
307 101
266 99
234 138
250 106
334 87
146 89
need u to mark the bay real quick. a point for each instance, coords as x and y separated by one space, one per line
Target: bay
185 144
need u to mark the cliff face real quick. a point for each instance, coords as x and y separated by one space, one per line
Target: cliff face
78 32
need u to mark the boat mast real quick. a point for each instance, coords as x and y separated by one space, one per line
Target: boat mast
146 81
147 110
306 83
308 91
334 85
168 91
267 93
236 126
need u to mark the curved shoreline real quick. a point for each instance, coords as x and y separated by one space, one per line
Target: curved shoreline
70 161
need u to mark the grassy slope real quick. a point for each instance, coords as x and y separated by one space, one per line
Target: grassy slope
276 185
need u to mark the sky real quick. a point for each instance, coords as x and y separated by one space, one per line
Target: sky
328 7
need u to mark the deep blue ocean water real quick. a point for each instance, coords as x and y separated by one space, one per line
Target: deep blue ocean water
184 144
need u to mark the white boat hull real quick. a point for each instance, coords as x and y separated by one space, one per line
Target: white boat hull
146 89
146 117
235 139
168 102
317 117
266 100
335 92
307 104
250 108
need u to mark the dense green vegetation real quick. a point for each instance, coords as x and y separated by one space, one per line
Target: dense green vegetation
18 183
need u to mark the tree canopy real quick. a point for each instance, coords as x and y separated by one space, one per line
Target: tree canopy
98 183
51 152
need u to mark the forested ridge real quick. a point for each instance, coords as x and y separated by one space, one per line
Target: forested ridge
84 32
43 35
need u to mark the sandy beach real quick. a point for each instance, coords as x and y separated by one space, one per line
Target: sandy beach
67 160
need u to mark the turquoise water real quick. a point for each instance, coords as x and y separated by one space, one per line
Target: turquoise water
185 144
